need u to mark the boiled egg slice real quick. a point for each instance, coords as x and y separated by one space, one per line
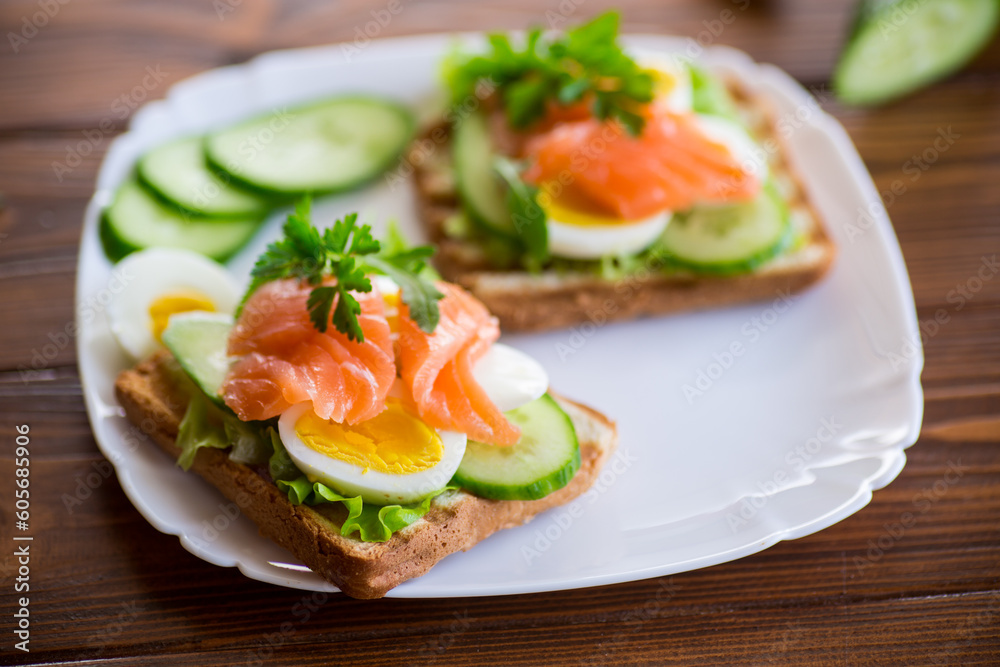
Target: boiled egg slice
672 86
510 377
396 457
392 458
580 234
673 89
158 283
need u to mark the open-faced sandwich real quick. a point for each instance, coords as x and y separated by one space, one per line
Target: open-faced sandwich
571 181
357 409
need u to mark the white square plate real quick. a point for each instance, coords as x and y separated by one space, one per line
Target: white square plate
721 455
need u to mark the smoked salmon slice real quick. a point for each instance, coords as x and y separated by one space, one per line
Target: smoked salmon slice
437 368
285 360
671 165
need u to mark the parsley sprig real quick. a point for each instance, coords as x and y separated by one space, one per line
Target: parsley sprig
585 63
345 252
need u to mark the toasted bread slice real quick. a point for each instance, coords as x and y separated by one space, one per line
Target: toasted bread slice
154 400
537 301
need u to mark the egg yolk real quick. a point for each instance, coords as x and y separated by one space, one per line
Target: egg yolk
175 302
396 442
573 209
391 301
664 83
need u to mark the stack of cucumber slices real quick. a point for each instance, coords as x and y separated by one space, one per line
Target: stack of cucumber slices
210 193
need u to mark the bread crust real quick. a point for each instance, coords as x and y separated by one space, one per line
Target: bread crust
535 302
155 400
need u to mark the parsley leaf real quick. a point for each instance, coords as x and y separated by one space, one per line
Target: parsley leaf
584 64
320 303
313 257
527 216
406 266
286 258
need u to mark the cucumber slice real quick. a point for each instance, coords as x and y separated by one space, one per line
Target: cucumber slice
114 248
730 239
481 191
544 459
330 146
198 341
177 171
136 219
897 46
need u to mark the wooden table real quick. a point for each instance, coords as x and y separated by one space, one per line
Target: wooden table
105 586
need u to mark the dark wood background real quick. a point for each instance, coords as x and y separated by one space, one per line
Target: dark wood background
107 587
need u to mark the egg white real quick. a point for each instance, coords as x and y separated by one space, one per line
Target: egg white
373 486
510 377
385 284
594 241
153 273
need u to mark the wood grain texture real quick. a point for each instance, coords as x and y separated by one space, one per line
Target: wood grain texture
107 588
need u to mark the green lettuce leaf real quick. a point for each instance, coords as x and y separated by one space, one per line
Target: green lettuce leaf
250 444
373 523
299 489
204 425
280 465
201 427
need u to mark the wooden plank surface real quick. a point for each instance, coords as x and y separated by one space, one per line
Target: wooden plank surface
107 588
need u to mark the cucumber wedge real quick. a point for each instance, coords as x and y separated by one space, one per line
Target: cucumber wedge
329 146
177 171
730 239
897 46
543 461
198 341
137 219
481 191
